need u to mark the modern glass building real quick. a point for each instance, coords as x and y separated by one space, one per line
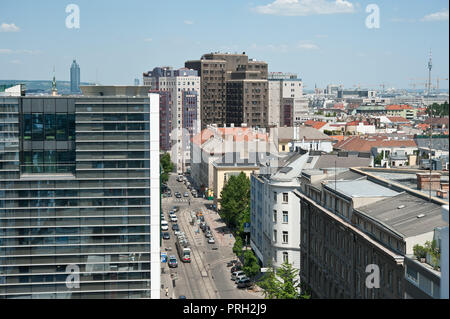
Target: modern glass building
75 196
75 77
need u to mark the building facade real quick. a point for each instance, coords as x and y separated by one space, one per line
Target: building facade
75 77
183 85
75 196
234 89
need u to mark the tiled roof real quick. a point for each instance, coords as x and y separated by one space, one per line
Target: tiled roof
396 119
358 144
398 107
315 124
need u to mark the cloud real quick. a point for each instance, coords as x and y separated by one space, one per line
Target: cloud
305 7
188 22
4 27
9 51
308 46
148 40
437 16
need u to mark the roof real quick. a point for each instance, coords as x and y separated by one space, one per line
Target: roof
437 121
239 134
397 119
338 137
358 144
437 143
400 213
330 160
315 124
361 188
396 107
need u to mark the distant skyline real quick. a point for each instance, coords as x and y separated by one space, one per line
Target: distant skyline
323 41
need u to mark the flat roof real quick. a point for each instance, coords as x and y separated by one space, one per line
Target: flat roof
361 188
401 214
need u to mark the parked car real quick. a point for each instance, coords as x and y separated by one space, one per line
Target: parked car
244 283
176 208
235 268
235 274
240 277
175 227
164 225
166 235
173 219
186 194
202 226
211 240
208 234
173 261
177 195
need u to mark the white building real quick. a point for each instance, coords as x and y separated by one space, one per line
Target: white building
184 87
286 100
275 219
444 255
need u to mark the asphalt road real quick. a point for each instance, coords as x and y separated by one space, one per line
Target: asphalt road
207 276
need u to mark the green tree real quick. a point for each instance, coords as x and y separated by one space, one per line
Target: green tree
235 201
238 245
378 159
167 167
283 283
251 265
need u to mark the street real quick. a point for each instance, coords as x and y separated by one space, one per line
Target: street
206 276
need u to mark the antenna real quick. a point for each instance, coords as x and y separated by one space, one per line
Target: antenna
430 66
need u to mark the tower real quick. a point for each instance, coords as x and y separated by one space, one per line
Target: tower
430 66
75 77
54 89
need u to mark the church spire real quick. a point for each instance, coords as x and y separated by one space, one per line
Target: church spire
54 89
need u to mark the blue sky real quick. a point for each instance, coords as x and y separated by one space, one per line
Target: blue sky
324 41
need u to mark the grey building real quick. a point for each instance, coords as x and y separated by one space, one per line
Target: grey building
75 77
75 196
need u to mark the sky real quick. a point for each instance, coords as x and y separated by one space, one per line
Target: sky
323 41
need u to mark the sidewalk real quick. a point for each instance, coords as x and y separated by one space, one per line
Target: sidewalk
213 220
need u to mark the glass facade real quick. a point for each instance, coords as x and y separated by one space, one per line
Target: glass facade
74 192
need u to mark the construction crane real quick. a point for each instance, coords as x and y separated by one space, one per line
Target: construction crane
437 84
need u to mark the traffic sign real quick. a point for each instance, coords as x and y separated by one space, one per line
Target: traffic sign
163 257
246 227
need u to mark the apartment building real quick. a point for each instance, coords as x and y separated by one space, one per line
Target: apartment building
76 178
234 89
351 221
286 102
183 86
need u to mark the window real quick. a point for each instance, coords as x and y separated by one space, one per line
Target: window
274 216
275 197
285 237
50 127
285 257
274 235
285 197
38 126
285 217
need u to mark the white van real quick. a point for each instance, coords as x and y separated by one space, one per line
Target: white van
164 225
237 274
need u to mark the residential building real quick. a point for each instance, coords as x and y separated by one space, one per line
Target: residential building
75 78
286 101
290 139
76 179
183 85
350 220
214 142
234 89
405 111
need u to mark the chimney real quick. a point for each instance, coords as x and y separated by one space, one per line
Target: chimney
424 180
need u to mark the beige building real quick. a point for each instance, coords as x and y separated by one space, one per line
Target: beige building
223 171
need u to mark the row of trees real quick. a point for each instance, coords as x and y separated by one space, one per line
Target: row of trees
438 110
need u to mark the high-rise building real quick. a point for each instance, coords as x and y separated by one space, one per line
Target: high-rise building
183 86
76 179
234 89
75 77
286 101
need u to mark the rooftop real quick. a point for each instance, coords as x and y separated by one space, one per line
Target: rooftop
360 188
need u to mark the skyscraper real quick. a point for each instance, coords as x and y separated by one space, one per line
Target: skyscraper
75 77
76 179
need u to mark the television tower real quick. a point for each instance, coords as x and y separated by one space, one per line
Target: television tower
430 66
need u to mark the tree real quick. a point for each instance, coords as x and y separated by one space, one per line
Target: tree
378 159
238 245
167 167
283 283
235 201
251 265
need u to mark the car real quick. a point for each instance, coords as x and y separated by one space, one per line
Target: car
211 240
176 208
164 225
240 277
182 297
235 268
173 219
202 225
186 194
173 261
244 283
235 274
166 235
177 195
202 218
175 227
208 234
